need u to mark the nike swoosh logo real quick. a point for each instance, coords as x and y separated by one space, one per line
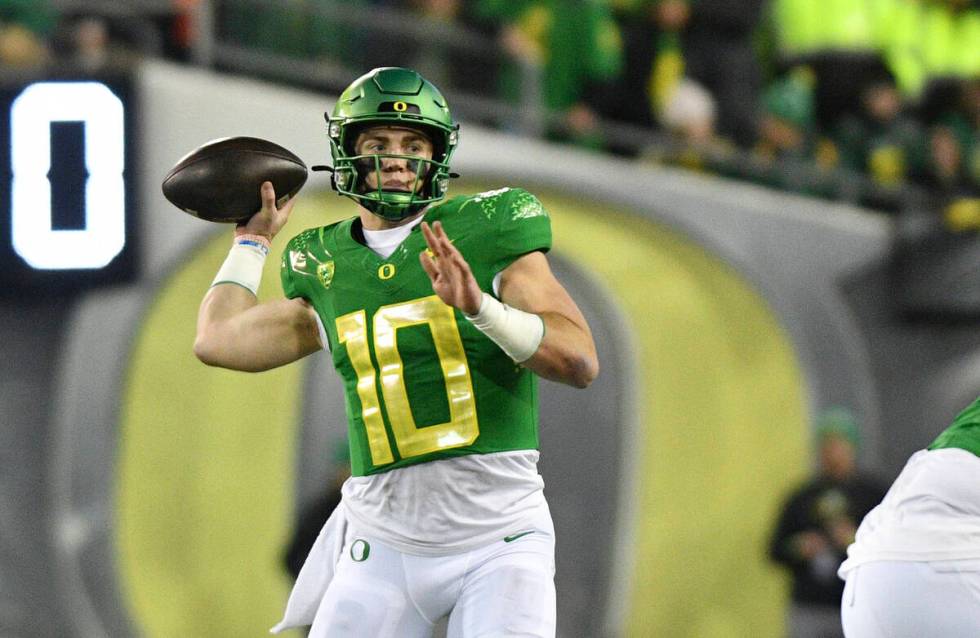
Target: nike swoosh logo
509 539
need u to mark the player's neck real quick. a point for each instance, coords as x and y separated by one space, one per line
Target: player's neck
370 221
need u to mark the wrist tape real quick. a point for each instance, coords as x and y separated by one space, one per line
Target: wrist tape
244 263
518 333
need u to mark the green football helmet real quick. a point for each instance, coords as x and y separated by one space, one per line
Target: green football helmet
391 96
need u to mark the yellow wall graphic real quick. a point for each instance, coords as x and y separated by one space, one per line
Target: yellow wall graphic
722 427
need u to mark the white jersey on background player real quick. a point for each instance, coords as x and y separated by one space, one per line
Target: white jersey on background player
914 568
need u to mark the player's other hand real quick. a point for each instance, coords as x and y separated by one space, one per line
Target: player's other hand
452 279
270 219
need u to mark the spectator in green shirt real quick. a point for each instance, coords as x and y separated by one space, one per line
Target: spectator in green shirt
577 46
790 152
880 138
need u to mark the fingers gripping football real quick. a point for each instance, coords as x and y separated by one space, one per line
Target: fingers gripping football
270 219
452 279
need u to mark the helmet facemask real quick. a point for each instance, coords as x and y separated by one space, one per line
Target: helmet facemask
427 181
399 98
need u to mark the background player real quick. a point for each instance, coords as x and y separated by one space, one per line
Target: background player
817 522
444 513
914 569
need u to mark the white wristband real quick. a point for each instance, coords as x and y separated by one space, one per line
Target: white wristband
518 333
243 266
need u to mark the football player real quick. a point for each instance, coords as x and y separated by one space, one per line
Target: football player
438 315
914 568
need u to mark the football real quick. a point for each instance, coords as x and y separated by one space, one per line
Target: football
220 180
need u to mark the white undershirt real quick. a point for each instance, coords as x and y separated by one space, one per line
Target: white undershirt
449 505
385 241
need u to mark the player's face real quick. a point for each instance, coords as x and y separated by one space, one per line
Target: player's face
837 455
396 174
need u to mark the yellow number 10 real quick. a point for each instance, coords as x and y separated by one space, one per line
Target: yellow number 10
461 429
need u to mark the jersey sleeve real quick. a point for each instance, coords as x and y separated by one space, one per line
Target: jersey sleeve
523 226
297 267
963 433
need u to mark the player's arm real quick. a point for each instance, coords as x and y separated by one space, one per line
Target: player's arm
236 332
538 323
233 329
566 352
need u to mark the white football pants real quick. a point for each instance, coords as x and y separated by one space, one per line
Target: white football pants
899 599
506 588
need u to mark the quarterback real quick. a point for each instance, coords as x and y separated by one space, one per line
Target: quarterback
914 567
438 314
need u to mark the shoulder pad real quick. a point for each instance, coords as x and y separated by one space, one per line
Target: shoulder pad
524 205
490 195
508 204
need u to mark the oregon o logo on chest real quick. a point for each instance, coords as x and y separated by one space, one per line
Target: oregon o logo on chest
386 271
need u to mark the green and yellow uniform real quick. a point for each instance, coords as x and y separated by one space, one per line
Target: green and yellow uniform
442 424
421 382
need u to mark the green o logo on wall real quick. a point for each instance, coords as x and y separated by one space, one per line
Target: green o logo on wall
360 550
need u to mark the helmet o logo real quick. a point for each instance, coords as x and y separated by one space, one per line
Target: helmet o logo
386 271
401 107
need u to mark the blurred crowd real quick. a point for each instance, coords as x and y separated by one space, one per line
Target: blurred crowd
865 100
51 36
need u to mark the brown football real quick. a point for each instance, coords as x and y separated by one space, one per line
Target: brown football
220 180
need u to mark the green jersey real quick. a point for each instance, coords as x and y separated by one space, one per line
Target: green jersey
964 433
421 382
